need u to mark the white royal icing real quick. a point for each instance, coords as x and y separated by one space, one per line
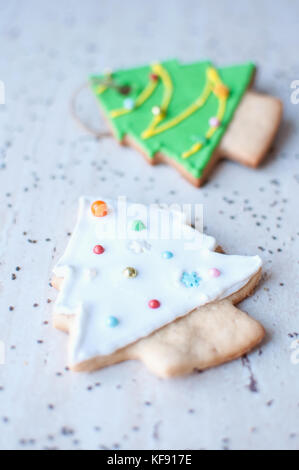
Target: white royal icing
95 287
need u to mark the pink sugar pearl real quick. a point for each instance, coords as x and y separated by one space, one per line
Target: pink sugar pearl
214 272
214 122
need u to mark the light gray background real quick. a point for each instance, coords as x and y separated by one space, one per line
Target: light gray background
46 162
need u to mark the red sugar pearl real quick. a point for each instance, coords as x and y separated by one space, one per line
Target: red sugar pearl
98 249
154 77
154 303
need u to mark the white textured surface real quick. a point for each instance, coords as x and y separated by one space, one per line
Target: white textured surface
46 162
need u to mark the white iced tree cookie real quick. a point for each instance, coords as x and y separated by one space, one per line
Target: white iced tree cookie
130 280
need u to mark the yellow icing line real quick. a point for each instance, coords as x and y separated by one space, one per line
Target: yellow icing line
100 89
163 74
213 80
119 112
144 95
195 148
222 107
153 130
219 115
213 77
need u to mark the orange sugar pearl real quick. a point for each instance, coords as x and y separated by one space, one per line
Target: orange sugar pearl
221 91
99 208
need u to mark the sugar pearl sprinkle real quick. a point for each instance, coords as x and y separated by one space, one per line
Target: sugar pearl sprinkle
156 110
154 77
138 226
99 209
221 91
140 246
90 274
214 122
130 272
129 104
190 279
112 322
214 272
154 303
98 250
167 255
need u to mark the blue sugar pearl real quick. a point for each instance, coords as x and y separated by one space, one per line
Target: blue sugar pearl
129 104
167 254
112 322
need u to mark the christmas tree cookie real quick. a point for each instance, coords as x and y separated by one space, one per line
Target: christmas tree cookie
189 115
145 285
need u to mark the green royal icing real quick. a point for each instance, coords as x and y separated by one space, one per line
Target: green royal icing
188 83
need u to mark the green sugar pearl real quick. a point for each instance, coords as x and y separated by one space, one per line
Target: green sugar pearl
138 226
